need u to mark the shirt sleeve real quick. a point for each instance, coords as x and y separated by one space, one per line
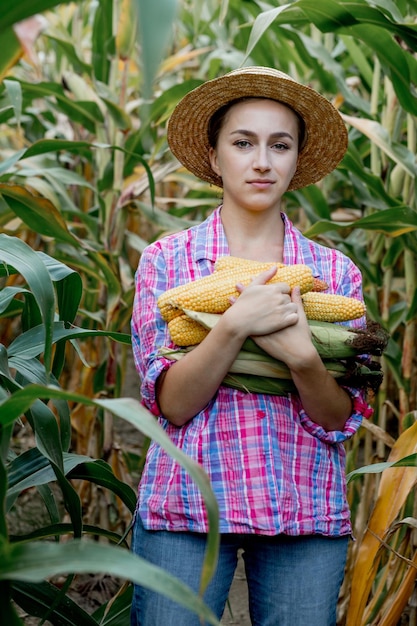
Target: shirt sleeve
149 330
360 410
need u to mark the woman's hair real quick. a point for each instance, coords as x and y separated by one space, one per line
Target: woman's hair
217 120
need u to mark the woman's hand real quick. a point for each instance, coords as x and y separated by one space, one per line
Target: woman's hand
292 343
262 309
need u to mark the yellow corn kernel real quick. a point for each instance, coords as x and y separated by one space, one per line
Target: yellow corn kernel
329 307
228 262
185 331
212 293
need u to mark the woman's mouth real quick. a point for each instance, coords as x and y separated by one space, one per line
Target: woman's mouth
261 183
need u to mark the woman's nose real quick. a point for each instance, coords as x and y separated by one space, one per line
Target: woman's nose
261 159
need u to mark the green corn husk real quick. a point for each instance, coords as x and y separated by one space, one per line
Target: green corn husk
332 341
363 377
256 371
261 364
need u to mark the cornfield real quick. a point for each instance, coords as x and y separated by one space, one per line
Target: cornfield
86 181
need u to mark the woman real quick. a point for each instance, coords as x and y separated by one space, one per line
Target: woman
276 464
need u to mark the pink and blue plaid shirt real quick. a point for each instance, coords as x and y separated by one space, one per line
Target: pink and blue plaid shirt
272 469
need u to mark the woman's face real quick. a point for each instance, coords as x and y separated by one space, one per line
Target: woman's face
256 153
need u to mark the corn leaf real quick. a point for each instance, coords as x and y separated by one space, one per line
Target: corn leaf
24 260
395 486
155 23
38 213
394 222
42 599
132 411
37 560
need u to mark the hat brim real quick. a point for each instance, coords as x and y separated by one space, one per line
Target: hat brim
326 134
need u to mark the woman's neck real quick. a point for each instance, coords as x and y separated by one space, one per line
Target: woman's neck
256 236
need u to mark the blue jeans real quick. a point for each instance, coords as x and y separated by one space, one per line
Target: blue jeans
292 581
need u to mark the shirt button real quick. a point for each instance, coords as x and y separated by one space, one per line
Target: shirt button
261 414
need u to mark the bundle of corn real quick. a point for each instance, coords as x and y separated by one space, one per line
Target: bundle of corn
256 371
213 293
192 310
332 341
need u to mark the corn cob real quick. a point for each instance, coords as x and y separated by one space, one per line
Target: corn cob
319 285
212 293
229 262
331 340
329 307
186 332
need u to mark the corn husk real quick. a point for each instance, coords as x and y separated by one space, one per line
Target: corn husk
261 373
332 341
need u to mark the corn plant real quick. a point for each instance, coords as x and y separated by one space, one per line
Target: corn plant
59 196
361 55
29 372
87 180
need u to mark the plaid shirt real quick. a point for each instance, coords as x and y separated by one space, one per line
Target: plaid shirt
272 469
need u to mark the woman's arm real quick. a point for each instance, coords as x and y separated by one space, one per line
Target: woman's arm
187 386
324 401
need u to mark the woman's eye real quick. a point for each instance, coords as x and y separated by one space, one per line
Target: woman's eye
280 146
242 143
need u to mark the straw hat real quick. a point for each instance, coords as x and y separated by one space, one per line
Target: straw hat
326 135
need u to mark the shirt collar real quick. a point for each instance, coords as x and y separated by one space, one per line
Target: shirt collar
210 242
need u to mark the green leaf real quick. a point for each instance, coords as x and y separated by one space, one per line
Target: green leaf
42 146
394 222
117 611
31 469
59 529
30 344
38 213
68 286
156 21
13 12
86 113
119 116
21 257
133 412
35 561
103 40
261 24
8 613
100 473
70 54
376 468
379 136
15 96
42 599
11 49
7 294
